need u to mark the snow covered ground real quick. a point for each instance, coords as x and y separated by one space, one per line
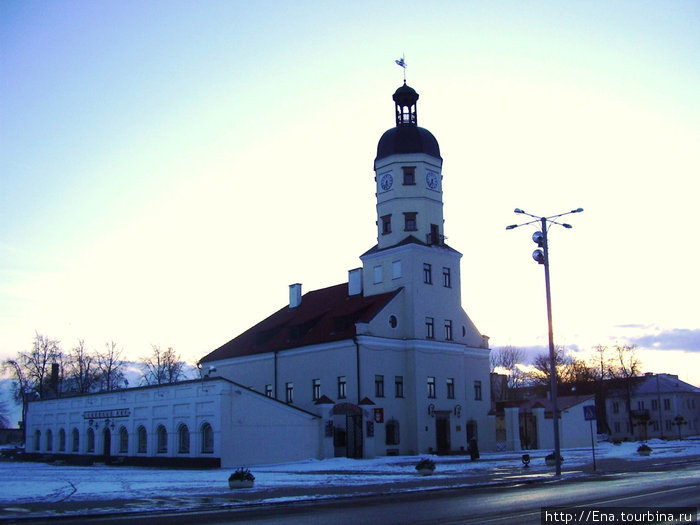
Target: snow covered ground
38 482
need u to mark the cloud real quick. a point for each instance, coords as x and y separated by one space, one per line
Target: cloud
683 339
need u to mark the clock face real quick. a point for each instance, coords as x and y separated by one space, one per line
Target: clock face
431 179
386 182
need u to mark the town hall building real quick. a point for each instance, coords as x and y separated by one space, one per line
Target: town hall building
385 363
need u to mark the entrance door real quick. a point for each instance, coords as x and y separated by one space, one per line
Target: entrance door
442 432
354 436
107 444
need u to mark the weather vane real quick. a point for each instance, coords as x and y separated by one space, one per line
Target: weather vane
402 62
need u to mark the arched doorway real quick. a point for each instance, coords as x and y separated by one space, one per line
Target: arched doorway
107 448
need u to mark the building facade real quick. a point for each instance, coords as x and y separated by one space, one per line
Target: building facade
653 406
399 363
386 363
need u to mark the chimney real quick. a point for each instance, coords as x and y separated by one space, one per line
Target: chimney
355 282
294 295
54 378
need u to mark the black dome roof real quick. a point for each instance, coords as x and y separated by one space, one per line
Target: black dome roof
407 139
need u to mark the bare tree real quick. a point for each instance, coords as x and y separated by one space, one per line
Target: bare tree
83 373
162 367
570 369
33 368
628 366
110 366
31 371
509 359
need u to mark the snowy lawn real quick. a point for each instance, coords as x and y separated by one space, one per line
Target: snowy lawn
25 482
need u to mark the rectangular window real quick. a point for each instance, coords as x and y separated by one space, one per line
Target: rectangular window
289 389
342 385
434 235
654 404
429 328
379 385
410 224
409 175
398 386
655 426
450 388
448 330
616 407
669 424
316 389
640 405
667 404
268 390
427 273
446 277
396 270
386 224
431 387
477 390
617 427
377 274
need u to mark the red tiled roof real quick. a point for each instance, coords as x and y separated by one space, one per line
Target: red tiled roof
324 315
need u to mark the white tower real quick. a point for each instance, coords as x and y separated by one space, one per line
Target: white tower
411 252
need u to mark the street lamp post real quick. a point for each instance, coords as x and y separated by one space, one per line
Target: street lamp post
541 255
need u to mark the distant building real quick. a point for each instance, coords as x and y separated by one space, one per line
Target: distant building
387 363
526 424
653 406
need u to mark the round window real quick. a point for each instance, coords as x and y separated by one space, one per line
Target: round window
393 321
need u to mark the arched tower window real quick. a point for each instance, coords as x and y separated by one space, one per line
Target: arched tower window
62 440
207 439
90 440
162 439
123 440
37 440
76 440
49 440
142 440
183 439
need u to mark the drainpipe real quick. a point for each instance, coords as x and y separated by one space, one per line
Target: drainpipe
275 374
357 360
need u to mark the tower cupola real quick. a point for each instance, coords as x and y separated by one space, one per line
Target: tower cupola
407 136
406 112
409 180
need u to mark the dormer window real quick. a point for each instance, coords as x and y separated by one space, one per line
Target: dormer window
409 175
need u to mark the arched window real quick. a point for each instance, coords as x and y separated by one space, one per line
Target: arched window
37 440
162 435
183 439
76 440
90 440
142 440
123 440
207 439
392 432
49 440
62 440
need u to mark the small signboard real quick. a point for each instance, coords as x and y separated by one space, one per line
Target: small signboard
589 412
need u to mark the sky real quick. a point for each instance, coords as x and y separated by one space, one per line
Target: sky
167 169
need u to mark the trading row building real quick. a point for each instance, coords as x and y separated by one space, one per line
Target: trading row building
385 363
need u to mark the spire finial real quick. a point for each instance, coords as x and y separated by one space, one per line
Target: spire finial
402 63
